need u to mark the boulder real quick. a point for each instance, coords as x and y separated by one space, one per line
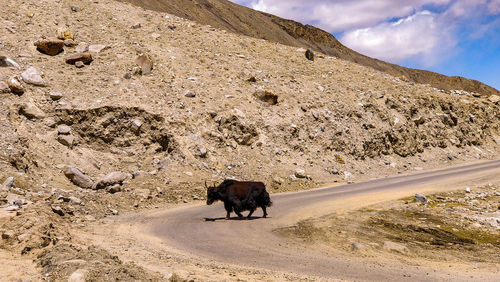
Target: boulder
300 173
420 198
310 55
84 57
77 177
8 62
66 140
111 179
63 129
32 76
55 95
50 47
144 63
31 111
494 99
15 85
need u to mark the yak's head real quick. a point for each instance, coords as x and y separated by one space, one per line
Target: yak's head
212 194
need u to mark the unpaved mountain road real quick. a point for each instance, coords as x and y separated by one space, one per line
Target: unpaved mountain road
201 231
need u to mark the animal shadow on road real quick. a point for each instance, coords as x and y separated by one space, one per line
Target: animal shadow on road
233 218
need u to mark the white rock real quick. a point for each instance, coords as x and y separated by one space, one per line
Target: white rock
32 76
300 173
8 183
97 48
467 190
55 95
420 198
395 247
63 129
78 276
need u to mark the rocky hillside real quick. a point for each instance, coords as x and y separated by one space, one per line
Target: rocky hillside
106 107
241 20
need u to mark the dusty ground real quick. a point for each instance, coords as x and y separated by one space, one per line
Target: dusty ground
451 228
260 111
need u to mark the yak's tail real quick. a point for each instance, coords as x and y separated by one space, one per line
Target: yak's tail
266 199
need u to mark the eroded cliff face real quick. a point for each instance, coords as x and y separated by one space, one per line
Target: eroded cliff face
241 20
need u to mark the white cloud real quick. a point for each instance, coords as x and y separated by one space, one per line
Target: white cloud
341 15
421 36
372 27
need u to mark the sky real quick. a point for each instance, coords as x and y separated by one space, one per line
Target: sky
452 37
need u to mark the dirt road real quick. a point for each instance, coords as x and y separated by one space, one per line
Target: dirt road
252 243
201 233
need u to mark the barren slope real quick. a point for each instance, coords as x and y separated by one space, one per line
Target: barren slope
216 105
238 19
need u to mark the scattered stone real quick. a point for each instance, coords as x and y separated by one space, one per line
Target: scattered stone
75 8
64 33
8 183
84 57
66 140
358 246
55 95
252 79
31 111
32 76
136 126
97 48
80 275
69 43
4 87
203 152
8 62
315 115
8 235
267 97
114 189
79 64
77 177
144 63
15 85
348 176
50 47
300 173
495 99
12 208
113 211
18 202
136 25
190 94
127 75
310 55
82 47
395 247
420 198
467 190
63 129
110 179
143 193
75 200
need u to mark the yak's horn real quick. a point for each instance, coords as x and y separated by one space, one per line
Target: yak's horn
206 184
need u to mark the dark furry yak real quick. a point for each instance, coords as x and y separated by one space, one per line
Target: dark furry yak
239 196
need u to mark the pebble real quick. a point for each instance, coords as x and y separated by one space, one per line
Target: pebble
66 140
8 62
144 63
12 208
63 129
31 111
55 95
8 183
64 33
82 47
32 76
15 85
75 8
467 190
58 210
50 47
69 43
97 48
300 173
77 177
190 94
111 179
420 198
79 64
84 57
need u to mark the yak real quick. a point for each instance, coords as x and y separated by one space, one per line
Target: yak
239 196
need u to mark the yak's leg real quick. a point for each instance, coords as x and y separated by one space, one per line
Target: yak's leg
236 206
251 212
229 208
264 210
